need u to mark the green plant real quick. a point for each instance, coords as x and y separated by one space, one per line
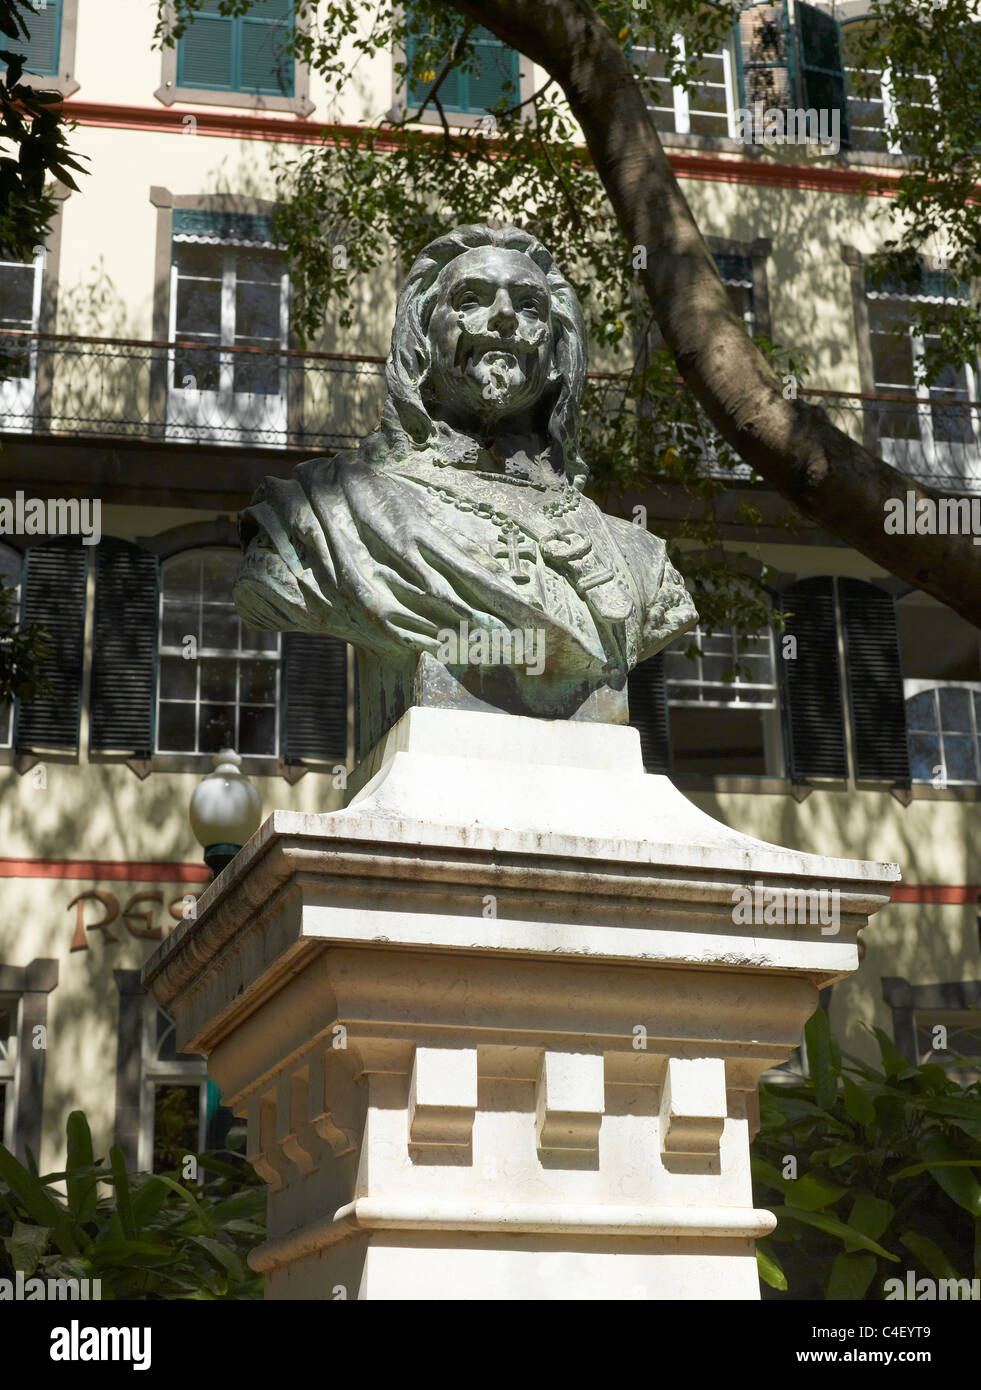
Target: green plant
883 1177
154 1237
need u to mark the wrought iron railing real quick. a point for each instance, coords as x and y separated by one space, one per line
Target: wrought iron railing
184 392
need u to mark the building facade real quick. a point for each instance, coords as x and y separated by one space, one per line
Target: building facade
155 372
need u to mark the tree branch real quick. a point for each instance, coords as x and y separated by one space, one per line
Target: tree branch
826 474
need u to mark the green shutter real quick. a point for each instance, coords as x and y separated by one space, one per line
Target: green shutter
265 65
811 706
821 64
54 594
450 90
42 51
648 705
493 78
124 649
494 75
875 682
205 52
764 56
314 697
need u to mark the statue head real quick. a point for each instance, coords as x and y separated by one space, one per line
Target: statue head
487 330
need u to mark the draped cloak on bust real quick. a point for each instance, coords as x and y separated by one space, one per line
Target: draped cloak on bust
388 548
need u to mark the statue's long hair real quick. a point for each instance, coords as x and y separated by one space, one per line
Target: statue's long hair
405 415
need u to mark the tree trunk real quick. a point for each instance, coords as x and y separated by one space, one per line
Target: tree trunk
793 445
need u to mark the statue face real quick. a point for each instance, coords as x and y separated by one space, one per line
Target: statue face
490 335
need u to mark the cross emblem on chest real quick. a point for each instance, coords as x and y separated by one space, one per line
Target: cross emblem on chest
513 547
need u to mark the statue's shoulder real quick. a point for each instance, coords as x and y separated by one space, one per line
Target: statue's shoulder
372 453
634 539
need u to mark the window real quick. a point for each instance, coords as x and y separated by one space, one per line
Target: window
43 49
720 726
20 313
229 290
11 565
493 77
938 419
943 1035
179 1110
944 724
841 682
238 53
219 680
8 1069
708 109
872 118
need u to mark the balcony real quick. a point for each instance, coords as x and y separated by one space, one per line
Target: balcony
247 402
179 393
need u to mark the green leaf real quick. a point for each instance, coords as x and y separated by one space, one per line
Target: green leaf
25 1246
916 1169
839 1154
858 1105
870 1215
147 1200
893 1061
850 1277
929 1255
820 1058
769 1269
30 1193
203 1216
82 1189
124 1205
833 1227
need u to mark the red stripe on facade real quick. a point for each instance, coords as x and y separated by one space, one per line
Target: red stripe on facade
121 870
686 164
937 893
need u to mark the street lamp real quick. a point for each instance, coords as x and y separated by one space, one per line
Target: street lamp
225 810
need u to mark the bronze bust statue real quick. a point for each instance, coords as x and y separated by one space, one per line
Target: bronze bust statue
456 541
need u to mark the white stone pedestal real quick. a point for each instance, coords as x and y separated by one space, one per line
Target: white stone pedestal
493 1025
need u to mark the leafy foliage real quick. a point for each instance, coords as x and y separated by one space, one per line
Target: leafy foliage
31 122
24 647
153 1238
933 55
887 1173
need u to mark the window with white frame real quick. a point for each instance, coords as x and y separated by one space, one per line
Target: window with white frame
724 704
218 684
872 118
950 1038
11 567
8 1070
943 726
938 415
20 313
708 109
177 1103
232 298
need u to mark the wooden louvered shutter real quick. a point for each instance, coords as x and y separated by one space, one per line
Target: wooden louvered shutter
314 696
124 649
205 51
42 52
648 705
822 72
451 88
875 682
495 67
54 594
265 64
765 56
814 724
